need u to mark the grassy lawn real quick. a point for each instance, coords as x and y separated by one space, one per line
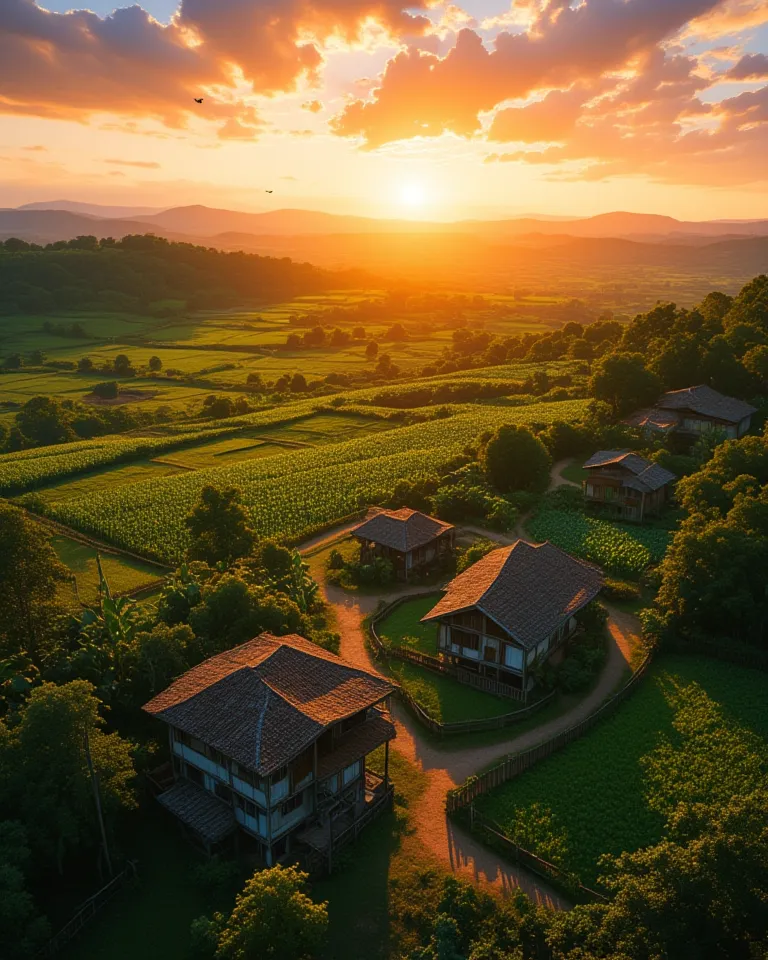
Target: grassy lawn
105 479
595 786
402 627
575 473
123 574
446 699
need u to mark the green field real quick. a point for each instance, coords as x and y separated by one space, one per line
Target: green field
403 624
620 548
595 786
296 493
124 575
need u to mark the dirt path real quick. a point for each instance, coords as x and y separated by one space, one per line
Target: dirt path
445 768
556 478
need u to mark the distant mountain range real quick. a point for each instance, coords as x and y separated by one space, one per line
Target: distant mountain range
336 241
55 220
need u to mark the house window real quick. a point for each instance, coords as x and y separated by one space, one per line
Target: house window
351 772
278 775
195 775
291 804
217 757
223 792
590 490
610 493
469 640
513 657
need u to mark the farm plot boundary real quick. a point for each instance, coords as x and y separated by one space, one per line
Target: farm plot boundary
462 796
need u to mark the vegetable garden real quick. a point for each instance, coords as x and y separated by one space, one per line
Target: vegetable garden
595 787
622 549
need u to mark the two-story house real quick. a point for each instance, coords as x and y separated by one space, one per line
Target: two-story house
693 412
272 737
410 539
626 484
513 607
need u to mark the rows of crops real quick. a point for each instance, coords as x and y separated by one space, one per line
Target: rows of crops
292 494
27 469
595 786
621 549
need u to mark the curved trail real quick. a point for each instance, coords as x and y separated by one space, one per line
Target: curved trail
445 768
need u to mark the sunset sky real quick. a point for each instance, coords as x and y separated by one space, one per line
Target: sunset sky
450 110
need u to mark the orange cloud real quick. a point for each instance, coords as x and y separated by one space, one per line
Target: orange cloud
73 65
752 66
142 164
422 94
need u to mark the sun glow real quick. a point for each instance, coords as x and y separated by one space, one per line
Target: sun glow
413 194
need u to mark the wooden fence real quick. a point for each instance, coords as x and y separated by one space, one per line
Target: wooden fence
88 910
440 666
511 767
543 868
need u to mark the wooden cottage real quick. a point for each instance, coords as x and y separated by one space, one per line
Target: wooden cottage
272 737
411 540
514 607
626 484
693 412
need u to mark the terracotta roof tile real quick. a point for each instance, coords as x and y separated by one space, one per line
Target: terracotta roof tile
402 530
356 743
528 589
265 701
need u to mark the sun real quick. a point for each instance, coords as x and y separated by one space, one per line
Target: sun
413 194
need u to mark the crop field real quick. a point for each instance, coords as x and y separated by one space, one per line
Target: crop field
106 478
595 786
123 574
297 493
622 549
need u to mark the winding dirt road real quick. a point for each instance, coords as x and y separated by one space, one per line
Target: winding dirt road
446 767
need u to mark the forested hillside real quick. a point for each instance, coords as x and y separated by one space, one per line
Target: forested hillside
145 274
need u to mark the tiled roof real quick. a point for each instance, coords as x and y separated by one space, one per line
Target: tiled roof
356 743
528 589
402 530
706 402
653 418
200 810
648 476
265 701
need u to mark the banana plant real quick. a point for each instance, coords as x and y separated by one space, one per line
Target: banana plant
299 583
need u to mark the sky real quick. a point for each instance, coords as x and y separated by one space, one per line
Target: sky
472 109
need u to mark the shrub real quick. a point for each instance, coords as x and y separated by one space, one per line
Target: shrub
107 391
621 590
470 555
335 560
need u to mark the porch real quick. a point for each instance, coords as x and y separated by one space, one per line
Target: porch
328 834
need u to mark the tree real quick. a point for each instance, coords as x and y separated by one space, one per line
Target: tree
23 928
298 383
274 917
622 381
45 421
514 459
155 364
85 365
123 366
51 784
30 573
371 350
219 528
109 390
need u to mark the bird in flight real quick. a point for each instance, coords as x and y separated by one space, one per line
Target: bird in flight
198 101
267 191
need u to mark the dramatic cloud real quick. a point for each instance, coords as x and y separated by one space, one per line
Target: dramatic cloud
753 66
314 106
425 94
76 64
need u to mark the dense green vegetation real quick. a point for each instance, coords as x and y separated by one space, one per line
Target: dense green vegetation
142 274
596 787
292 494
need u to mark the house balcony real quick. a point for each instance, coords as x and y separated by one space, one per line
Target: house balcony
354 745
